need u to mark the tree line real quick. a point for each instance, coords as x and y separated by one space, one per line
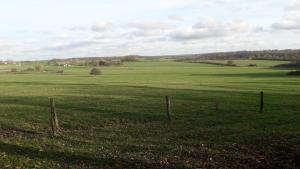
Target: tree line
285 55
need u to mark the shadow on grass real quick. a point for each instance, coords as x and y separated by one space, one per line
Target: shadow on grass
248 75
67 158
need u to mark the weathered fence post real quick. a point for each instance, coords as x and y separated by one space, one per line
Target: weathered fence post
168 104
217 105
297 159
54 119
261 101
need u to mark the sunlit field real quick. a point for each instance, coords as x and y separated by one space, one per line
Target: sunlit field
118 119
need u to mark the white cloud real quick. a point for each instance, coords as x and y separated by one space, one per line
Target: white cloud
77 28
72 45
145 27
102 26
149 25
161 4
287 23
293 6
208 28
291 18
195 34
176 18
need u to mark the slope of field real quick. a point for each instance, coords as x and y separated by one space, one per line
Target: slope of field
117 120
246 63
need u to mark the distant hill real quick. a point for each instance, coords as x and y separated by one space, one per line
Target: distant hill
287 55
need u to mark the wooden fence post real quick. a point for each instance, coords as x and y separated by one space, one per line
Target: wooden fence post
168 104
261 101
217 105
54 119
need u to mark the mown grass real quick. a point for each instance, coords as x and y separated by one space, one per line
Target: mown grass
117 119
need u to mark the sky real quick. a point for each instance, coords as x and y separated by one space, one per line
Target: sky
45 29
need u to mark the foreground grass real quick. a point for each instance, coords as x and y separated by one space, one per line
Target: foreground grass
117 120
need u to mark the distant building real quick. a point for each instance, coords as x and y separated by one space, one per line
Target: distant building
65 65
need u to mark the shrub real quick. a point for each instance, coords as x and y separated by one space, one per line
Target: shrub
60 71
230 63
95 71
116 62
13 70
38 68
91 63
252 65
54 62
28 70
103 63
110 63
130 58
294 73
293 65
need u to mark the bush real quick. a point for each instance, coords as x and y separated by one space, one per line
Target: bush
104 63
118 62
38 68
110 63
230 63
293 65
294 73
60 71
54 62
252 65
131 58
13 70
28 70
95 71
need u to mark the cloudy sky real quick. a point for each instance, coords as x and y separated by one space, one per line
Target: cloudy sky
43 29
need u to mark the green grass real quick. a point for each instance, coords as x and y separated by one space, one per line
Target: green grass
243 63
117 119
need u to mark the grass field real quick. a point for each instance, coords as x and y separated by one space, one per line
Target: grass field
117 119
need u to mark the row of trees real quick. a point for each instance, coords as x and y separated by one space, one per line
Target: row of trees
288 55
96 62
37 68
8 62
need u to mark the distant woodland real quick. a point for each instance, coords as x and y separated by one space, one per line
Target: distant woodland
284 55
287 55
